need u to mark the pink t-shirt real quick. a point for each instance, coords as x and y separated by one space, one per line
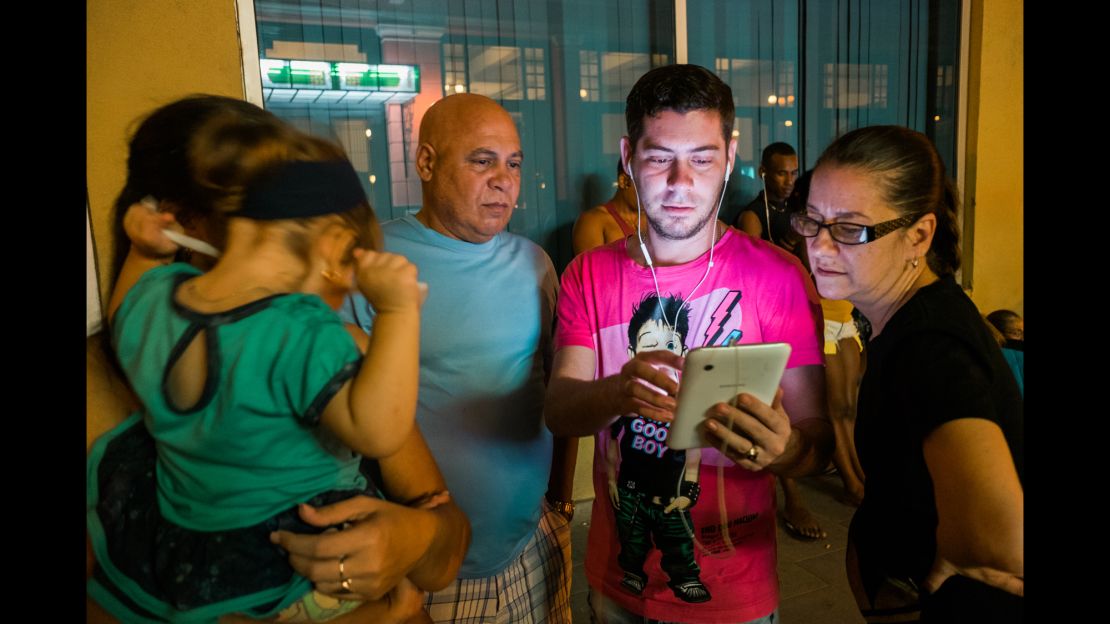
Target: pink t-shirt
755 291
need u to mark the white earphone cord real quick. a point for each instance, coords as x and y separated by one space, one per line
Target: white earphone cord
674 336
647 256
721 509
767 209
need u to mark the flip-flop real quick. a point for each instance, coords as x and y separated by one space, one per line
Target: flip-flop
796 533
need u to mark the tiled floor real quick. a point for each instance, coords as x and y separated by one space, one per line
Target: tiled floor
814 589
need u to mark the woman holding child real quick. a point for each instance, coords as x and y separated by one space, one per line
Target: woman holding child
257 400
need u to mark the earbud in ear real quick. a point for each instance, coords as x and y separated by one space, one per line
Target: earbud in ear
762 175
728 170
628 172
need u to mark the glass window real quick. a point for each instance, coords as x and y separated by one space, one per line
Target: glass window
495 72
619 71
802 71
588 81
807 71
534 74
563 79
454 68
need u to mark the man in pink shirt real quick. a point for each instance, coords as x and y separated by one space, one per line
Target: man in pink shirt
684 536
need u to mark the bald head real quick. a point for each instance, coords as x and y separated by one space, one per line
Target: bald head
442 121
469 162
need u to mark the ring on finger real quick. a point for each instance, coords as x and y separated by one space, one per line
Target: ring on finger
752 453
346 585
342 577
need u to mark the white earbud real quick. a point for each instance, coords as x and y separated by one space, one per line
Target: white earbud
728 171
639 233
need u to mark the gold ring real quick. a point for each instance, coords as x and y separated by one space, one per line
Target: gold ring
346 584
752 453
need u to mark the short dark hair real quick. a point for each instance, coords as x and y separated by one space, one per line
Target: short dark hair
679 88
651 308
776 149
799 197
910 176
1003 320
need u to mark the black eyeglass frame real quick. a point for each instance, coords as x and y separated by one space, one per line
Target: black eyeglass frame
870 233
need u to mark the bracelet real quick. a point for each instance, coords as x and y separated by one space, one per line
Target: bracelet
691 490
563 507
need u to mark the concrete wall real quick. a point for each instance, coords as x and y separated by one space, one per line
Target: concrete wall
141 55
996 148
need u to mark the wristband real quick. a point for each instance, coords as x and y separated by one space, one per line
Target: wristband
563 507
691 490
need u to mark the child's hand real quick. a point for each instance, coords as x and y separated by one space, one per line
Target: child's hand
388 281
144 225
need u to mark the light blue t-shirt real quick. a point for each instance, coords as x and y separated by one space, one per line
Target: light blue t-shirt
484 332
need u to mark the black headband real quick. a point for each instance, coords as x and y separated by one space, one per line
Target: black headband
299 189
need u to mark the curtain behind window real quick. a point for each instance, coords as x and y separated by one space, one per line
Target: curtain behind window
807 71
561 69
802 71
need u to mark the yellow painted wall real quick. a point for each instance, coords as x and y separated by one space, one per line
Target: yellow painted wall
999 252
140 55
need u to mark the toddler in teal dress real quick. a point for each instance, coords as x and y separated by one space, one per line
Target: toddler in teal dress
255 393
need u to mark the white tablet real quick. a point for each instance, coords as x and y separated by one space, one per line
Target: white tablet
714 375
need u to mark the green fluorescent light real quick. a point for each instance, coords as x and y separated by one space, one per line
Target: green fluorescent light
278 73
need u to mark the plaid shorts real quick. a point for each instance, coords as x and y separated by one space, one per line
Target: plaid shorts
533 589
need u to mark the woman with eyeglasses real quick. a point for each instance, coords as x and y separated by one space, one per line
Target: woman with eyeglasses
938 537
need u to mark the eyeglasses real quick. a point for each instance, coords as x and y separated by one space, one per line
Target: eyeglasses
850 233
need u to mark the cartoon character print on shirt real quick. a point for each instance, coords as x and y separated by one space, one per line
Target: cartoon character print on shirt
651 486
